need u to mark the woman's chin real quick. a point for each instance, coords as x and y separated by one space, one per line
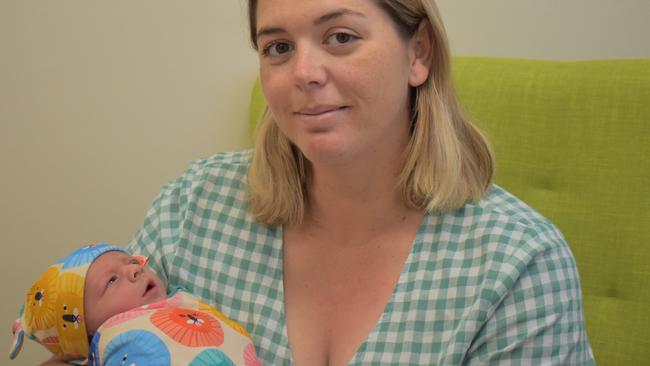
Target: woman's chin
325 149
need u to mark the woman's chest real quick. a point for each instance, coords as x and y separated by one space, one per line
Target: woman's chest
334 298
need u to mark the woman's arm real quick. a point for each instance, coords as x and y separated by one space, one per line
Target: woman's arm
540 319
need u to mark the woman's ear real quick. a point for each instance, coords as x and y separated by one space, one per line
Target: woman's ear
420 53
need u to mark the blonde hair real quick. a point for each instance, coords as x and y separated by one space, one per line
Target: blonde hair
448 161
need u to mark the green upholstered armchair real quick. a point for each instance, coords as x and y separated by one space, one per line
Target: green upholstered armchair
572 139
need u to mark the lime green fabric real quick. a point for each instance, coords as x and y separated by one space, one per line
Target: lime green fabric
572 139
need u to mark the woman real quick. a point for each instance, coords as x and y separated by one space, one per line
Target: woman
363 228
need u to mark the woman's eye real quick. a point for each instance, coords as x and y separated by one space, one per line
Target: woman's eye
134 261
341 38
275 49
111 281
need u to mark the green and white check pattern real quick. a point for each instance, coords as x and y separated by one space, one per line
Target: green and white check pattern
491 283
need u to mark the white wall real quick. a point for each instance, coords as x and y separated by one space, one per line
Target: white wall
102 102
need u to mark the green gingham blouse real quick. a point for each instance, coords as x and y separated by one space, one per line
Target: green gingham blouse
492 282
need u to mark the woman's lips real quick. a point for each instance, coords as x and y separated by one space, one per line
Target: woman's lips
319 110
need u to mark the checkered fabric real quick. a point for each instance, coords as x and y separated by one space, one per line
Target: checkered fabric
492 282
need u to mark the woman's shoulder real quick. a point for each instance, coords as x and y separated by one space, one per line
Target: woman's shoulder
518 236
500 241
226 164
216 180
223 172
229 158
508 207
505 222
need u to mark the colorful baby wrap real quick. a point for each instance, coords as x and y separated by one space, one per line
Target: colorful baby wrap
181 330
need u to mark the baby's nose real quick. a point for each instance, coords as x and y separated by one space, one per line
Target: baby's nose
135 271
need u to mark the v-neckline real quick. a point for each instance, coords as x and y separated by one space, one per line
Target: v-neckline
388 307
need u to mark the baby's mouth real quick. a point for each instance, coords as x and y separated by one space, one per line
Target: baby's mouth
150 286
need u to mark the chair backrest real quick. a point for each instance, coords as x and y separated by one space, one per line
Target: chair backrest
572 139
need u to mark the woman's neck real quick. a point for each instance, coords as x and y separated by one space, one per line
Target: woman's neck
356 199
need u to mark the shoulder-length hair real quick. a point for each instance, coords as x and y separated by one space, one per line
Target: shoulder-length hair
448 161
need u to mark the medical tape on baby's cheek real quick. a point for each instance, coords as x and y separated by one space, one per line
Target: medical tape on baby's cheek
142 259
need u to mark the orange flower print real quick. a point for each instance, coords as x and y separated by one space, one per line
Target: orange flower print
191 328
40 302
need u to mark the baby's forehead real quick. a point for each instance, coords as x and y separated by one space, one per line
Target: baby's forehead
114 255
111 258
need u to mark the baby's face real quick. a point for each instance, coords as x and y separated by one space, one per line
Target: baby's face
117 282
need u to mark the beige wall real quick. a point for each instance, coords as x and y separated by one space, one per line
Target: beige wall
102 102
549 29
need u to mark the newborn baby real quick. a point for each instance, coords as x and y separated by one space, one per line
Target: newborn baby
106 305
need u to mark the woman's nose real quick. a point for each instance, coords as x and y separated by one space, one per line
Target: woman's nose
309 68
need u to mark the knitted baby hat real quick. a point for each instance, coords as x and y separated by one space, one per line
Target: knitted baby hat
53 313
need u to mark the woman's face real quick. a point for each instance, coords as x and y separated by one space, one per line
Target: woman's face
336 75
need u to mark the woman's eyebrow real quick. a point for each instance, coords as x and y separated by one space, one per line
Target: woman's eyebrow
265 31
268 31
337 14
